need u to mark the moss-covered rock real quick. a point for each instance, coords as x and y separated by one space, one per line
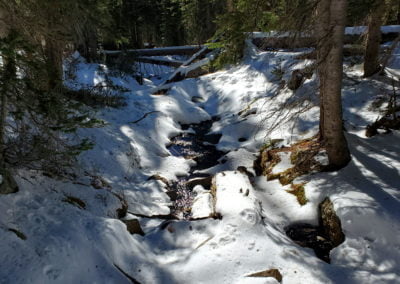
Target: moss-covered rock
330 222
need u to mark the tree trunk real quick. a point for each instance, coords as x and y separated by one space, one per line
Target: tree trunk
54 67
330 33
398 14
7 182
371 56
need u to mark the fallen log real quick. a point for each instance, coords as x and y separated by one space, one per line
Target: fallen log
353 35
160 51
159 61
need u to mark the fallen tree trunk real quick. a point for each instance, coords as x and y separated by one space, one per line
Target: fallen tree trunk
286 40
170 50
159 61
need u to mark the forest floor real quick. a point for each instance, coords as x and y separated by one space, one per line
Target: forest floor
70 230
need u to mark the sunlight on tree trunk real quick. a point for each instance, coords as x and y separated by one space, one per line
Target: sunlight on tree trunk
373 41
330 32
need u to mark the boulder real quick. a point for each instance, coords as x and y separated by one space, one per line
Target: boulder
330 222
133 226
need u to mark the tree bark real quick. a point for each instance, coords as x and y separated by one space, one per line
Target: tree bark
330 33
8 72
53 52
371 56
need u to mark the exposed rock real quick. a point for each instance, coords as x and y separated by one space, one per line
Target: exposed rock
268 273
7 184
204 182
295 80
161 92
244 170
307 235
133 226
160 178
330 222
98 182
302 156
322 238
197 99
121 212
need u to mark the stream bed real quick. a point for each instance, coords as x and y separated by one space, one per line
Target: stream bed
194 143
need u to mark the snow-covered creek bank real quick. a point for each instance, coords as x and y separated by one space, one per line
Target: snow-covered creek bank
66 242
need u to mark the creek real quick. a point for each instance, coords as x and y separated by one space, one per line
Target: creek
194 143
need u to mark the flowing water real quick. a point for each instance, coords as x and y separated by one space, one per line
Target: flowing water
198 145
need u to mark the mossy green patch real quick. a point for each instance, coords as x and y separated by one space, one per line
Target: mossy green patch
298 191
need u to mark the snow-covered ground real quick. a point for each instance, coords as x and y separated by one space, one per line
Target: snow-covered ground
70 242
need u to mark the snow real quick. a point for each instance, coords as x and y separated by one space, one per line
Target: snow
357 30
202 204
284 164
67 244
362 29
184 47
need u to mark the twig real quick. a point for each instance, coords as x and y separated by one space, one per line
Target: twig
163 217
133 280
385 60
144 116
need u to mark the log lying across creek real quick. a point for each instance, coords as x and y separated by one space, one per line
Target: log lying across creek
159 61
354 35
159 51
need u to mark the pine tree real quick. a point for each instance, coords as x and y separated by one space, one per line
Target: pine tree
330 24
34 110
373 40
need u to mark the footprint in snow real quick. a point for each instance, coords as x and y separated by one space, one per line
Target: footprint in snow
250 216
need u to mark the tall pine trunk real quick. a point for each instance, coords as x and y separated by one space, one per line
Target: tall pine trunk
8 73
53 53
330 33
373 40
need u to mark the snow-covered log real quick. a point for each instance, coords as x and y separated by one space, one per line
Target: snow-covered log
170 50
159 61
301 40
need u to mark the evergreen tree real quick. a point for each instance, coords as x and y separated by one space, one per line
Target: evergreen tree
330 24
373 40
242 18
34 111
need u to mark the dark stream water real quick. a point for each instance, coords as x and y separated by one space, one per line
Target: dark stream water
199 146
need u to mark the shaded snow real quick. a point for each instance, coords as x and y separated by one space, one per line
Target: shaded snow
66 244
